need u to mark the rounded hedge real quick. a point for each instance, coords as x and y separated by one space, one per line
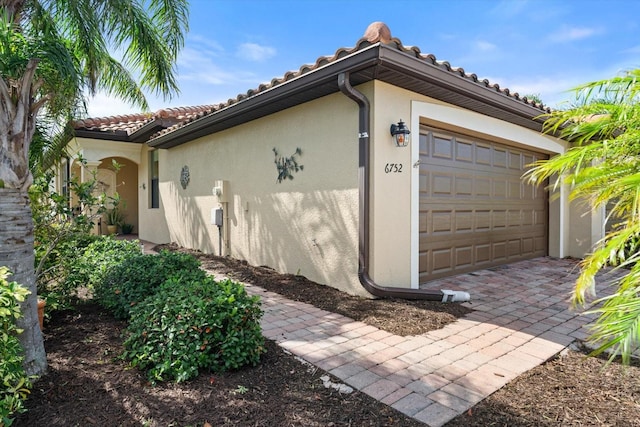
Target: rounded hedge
131 281
188 326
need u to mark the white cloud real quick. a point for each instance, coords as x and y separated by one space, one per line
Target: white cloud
212 45
632 50
568 34
555 90
197 65
102 105
510 8
552 90
255 52
485 46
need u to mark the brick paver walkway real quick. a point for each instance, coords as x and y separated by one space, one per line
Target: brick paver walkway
521 320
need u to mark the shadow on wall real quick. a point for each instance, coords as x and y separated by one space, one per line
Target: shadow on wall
188 220
313 234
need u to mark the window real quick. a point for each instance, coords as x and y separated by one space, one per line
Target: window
65 177
154 193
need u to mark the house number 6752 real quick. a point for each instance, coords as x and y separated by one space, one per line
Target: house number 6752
393 168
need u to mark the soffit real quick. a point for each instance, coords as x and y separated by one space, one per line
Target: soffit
391 62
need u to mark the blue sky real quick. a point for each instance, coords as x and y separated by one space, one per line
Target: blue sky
540 47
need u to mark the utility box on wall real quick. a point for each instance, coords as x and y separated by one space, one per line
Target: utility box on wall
221 190
217 216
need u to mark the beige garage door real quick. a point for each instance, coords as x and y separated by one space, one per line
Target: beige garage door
475 210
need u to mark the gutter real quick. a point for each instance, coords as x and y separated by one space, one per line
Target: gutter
364 185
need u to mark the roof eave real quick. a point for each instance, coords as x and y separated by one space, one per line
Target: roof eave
293 92
143 133
120 136
483 96
378 61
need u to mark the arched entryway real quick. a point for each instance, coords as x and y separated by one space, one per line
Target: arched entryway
120 179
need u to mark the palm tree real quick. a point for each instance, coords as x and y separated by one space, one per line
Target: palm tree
52 53
603 168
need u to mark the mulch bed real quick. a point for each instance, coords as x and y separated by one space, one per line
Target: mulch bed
88 384
570 390
396 316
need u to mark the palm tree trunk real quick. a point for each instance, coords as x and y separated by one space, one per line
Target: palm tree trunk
16 252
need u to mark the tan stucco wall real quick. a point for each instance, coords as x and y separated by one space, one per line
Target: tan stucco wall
153 223
390 263
308 225
586 228
97 149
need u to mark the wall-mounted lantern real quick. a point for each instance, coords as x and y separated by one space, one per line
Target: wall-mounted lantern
400 134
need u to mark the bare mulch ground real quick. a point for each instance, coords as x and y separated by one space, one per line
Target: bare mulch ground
88 384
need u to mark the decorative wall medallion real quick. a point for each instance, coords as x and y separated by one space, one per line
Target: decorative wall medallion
184 176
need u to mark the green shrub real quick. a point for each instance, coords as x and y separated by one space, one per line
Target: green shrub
192 325
137 277
62 226
91 267
14 382
59 260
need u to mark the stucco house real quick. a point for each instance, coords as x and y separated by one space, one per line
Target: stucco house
310 180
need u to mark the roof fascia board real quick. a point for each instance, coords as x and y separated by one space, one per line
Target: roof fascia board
420 69
111 136
375 55
358 60
144 133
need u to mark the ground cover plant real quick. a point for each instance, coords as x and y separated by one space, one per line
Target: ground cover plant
97 260
14 382
83 345
129 282
181 321
192 326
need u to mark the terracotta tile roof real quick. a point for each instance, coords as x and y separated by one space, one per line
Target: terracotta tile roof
130 123
377 34
176 118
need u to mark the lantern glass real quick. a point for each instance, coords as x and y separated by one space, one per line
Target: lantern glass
400 134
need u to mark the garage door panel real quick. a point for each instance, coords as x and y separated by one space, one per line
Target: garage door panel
482 254
464 152
441 222
475 210
515 161
460 221
436 241
483 154
463 257
499 158
448 259
442 185
482 188
463 221
442 148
